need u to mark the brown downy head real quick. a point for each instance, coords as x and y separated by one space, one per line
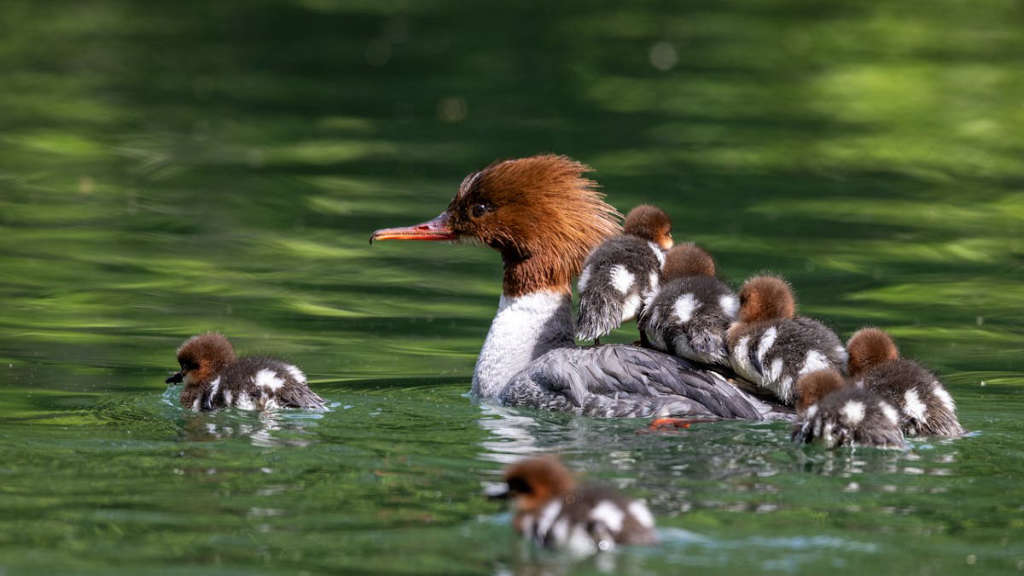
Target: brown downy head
766 298
814 386
534 482
650 223
540 213
201 359
687 260
869 347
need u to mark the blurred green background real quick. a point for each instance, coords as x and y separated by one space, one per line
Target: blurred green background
170 168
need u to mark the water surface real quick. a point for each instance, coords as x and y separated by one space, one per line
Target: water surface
167 169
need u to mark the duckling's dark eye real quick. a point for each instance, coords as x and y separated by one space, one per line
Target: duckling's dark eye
518 485
479 210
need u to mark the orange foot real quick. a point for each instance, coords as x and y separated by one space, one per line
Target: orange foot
675 423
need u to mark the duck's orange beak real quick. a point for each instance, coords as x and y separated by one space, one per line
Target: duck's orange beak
436 229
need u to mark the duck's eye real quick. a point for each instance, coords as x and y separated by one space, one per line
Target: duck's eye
479 210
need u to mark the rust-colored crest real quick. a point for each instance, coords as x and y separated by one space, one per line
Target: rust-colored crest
650 223
541 213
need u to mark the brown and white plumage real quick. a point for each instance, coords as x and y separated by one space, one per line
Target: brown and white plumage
836 414
771 346
553 512
926 408
215 378
690 313
622 273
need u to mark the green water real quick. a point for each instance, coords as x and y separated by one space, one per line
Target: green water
172 168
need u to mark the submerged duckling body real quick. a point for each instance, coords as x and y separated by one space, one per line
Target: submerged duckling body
772 347
553 512
837 414
925 407
215 378
622 272
690 313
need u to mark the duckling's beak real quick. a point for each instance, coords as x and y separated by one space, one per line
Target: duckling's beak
436 229
175 378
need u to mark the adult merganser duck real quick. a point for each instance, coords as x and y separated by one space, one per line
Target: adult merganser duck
691 311
622 272
544 217
214 378
837 414
925 406
772 347
554 513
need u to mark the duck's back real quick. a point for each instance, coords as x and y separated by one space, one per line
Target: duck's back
618 380
262 383
926 407
616 278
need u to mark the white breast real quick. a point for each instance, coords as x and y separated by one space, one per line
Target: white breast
524 328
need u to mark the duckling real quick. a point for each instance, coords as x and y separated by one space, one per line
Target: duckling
925 406
690 313
554 513
771 346
837 414
214 378
622 271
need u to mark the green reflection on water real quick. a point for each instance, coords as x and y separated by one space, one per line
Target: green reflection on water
169 169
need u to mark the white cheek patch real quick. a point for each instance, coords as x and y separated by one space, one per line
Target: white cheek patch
685 306
940 392
227 397
608 514
729 305
853 412
584 279
547 517
560 532
812 410
814 360
639 511
767 340
195 403
268 379
214 387
657 254
889 412
913 406
622 279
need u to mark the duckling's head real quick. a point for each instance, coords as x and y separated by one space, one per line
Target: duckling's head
534 482
687 260
541 213
869 347
766 298
814 386
201 359
650 223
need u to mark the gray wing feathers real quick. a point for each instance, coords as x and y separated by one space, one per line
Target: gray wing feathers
620 380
